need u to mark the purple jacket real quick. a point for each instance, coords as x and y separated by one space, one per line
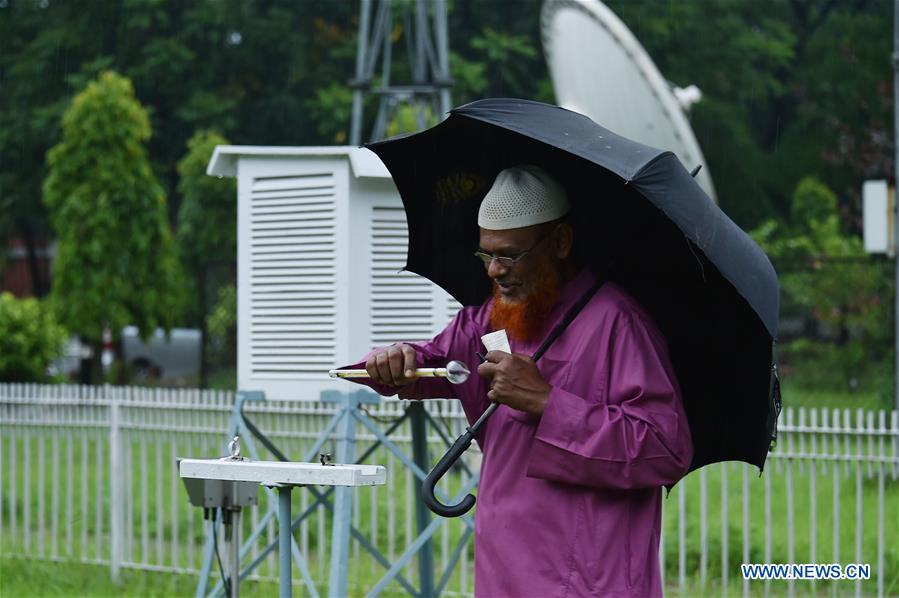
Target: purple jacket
569 503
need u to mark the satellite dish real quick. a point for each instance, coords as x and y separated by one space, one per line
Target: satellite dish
599 69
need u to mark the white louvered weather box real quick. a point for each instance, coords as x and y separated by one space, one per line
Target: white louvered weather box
321 242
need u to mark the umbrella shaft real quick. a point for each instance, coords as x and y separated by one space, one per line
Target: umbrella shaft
487 413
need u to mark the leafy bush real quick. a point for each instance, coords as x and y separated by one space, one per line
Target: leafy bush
840 292
30 338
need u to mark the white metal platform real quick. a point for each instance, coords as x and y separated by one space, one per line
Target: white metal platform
283 473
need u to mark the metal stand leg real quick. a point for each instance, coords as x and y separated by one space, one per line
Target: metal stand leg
422 514
235 553
284 538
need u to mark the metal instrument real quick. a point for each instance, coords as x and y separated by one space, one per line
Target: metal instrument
456 372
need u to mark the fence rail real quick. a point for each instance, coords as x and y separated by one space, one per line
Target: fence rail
71 457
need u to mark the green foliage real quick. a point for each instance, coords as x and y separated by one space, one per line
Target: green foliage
30 339
409 119
207 217
331 109
222 326
469 77
828 279
791 89
507 58
115 262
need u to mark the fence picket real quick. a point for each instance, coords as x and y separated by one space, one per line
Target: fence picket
54 500
791 553
41 496
70 491
825 437
192 443
408 519
26 493
158 482
144 510
870 432
14 485
881 572
859 469
98 501
391 508
175 497
373 524
768 526
894 434
725 549
83 522
836 488
745 469
813 492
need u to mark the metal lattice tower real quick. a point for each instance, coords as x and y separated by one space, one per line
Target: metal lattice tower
425 37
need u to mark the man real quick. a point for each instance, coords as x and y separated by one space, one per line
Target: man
576 455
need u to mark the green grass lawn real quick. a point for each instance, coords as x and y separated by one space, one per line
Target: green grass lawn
21 577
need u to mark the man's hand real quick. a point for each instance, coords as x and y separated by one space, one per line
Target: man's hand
393 366
515 381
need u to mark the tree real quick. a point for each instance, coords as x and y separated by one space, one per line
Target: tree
791 89
30 339
827 277
115 262
195 65
207 229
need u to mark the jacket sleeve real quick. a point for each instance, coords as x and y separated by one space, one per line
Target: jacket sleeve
638 437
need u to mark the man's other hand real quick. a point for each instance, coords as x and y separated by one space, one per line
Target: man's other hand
393 366
515 381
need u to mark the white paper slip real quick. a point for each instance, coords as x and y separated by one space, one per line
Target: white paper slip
496 341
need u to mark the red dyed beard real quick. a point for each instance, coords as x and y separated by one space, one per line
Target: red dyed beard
525 321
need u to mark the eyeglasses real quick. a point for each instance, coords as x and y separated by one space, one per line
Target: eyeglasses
507 261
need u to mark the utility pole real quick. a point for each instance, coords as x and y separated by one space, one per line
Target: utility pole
424 30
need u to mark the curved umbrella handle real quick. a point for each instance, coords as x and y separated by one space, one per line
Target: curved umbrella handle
427 487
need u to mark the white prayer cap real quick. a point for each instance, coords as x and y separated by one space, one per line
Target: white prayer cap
523 195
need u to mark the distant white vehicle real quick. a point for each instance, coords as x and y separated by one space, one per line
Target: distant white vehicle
161 358
157 359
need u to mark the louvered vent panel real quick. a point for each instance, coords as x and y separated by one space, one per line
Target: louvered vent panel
452 308
401 302
292 276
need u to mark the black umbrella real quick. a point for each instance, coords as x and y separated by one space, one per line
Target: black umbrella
642 220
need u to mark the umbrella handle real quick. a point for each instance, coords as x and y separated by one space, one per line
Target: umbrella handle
427 487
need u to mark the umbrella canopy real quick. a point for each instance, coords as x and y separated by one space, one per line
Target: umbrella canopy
641 220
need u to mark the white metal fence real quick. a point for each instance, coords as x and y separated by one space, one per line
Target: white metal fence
70 456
